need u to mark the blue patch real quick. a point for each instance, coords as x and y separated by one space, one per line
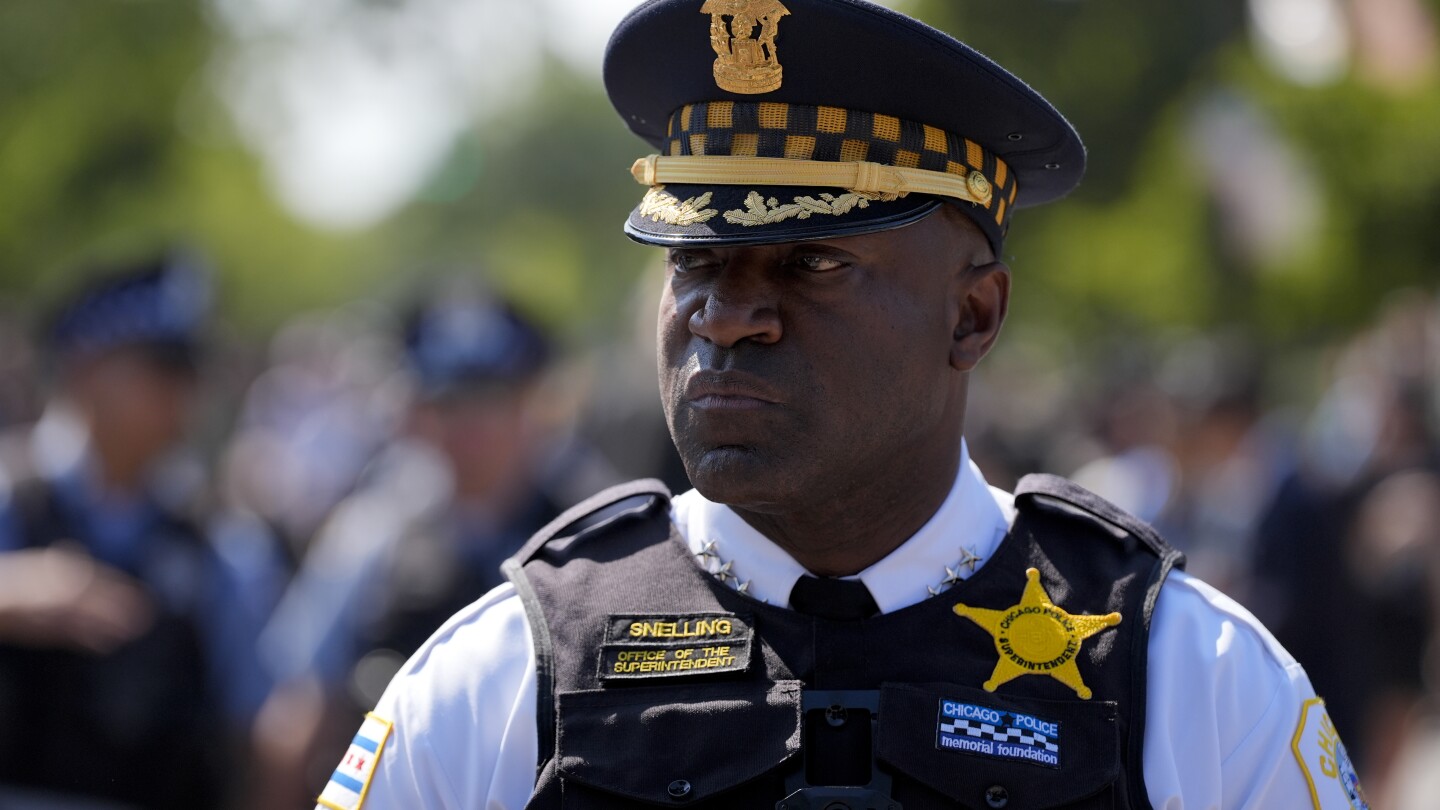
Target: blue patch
365 742
1349 780
972 729
347 782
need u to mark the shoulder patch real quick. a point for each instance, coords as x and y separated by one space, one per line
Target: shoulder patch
351 780
1324 761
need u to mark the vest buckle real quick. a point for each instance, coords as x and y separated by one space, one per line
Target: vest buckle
838 770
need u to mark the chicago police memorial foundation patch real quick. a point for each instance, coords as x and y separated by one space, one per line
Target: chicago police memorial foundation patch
997 733
644 647
351 780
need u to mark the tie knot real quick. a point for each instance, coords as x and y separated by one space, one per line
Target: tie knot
829 598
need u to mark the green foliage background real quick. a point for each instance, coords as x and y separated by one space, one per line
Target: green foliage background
112 141
1135 250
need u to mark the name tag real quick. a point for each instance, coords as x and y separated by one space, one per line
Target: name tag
643 647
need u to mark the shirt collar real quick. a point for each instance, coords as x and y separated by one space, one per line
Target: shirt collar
974 518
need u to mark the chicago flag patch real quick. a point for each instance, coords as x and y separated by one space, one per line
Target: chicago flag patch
348 785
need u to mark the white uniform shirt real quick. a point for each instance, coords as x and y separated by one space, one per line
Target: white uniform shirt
458 724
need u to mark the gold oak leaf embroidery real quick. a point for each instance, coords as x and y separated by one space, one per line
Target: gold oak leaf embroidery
1035 637
661 206
760 211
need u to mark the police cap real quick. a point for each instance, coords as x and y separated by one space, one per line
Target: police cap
786 120
465 338
160 305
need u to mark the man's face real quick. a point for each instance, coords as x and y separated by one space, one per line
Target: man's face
487 432
794 373
138 407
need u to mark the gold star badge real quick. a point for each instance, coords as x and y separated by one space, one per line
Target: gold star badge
1037 638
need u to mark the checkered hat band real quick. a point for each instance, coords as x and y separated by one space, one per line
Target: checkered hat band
806 132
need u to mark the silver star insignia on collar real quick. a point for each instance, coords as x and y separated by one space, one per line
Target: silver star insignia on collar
742 587
969 557
952 575
723 573
707 550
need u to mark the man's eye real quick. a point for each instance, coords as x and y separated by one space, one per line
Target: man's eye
683 262
818 264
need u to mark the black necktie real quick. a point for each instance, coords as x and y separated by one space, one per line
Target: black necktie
828 598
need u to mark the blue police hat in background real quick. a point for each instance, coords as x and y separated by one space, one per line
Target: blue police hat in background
785 120
161 305
471 338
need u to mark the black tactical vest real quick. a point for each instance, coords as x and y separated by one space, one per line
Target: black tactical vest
659 685
137 726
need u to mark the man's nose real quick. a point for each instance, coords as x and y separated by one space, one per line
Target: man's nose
740 303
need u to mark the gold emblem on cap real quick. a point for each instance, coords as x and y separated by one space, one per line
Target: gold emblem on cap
745 43
979 187
1035 637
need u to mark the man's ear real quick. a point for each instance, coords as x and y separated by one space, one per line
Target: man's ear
982 298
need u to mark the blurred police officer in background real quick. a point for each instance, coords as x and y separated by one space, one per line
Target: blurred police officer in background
107 586
842 613
468 479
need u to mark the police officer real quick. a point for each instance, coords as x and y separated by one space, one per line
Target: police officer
842 613
443 505
106 691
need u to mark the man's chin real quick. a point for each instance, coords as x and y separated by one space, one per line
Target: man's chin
739 476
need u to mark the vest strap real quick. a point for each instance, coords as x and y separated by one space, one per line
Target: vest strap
591 512
1068 492
1054 487
544 652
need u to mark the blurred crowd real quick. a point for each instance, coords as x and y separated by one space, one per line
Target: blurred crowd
213 556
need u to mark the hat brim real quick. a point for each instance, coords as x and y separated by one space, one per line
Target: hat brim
699 216
177 357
